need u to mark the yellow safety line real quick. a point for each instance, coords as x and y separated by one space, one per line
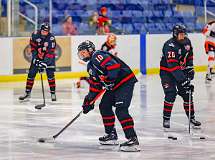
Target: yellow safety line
58 75
156 70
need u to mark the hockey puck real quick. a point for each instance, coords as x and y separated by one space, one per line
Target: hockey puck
174 138
39 106
170 137
41 140
201 137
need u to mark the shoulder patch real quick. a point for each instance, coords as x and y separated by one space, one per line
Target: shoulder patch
52 38
171 45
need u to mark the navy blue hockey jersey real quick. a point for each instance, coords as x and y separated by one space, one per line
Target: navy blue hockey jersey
103 63
176 59
43 47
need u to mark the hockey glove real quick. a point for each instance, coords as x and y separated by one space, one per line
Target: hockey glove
87 106
42 65
189 72
107 84
187 86
36 62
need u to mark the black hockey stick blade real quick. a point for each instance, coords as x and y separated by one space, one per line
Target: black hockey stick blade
51 139
40 106
46 140
68 124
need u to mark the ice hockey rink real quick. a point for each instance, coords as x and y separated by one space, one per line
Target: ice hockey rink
21 125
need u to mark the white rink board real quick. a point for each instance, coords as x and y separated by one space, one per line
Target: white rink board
6 54
154 45
128 48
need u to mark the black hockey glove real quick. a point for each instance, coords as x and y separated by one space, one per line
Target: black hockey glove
187 86
36 62
189 72
42 65
107 84
39 63
87 106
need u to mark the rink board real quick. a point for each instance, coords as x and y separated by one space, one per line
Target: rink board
140 52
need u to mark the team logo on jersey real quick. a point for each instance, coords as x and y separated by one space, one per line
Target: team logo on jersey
28 55
187 47
171 45
38 40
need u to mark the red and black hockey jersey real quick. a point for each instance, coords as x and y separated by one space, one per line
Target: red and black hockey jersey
103 63
43 47
176 58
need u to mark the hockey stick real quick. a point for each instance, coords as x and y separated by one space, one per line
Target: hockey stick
189 115
40 106
51 139
43 140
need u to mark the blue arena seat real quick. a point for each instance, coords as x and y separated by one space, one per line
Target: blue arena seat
132 16
128 28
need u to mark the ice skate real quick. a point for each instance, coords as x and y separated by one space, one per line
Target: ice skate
132 145
53 97
208 78
109 139
195 124
166 125
25 97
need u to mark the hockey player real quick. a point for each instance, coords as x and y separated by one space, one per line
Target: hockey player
209 32
110 46
176 72
43 45
109 72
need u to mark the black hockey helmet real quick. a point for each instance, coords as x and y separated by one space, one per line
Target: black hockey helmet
86 45
178 28
45 27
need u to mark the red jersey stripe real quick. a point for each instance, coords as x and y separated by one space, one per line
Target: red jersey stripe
115 66
94 90
105 61
124 80
170 69
172 61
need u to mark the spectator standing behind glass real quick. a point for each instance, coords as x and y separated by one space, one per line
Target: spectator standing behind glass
93 19
103 22
68 27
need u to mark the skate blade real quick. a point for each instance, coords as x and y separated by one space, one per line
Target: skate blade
109 147
25 100
130 148
196 127
112 142
208 81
